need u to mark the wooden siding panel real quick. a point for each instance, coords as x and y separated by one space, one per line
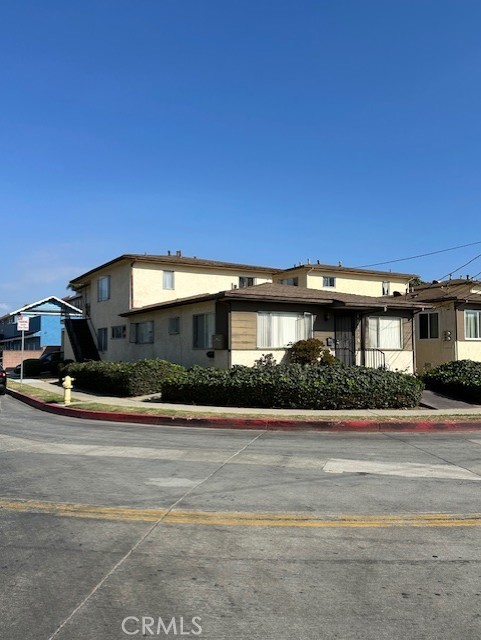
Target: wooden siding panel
243 330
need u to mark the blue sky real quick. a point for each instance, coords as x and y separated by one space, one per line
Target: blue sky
249 131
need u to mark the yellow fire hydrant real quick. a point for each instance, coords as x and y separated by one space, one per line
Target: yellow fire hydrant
67 386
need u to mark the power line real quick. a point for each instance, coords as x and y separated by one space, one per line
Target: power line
461 267
422 255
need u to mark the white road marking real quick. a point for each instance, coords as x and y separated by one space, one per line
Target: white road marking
402 469
171 482
22 445
332 465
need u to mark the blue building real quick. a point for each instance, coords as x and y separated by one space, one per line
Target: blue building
46 318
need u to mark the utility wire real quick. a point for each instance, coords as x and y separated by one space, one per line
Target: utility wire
461 267
422 255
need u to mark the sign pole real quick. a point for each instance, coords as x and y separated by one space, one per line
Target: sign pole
23 324
21 361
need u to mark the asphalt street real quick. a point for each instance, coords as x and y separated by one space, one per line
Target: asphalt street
111 531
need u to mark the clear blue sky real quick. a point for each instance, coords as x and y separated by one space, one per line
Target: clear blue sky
257 131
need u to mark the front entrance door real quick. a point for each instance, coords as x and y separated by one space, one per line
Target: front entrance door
344 336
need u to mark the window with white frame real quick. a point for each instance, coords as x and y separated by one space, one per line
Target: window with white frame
103 289
328 281
278 330
246 281
203 328
118 332
472 324
385 333
102 336
386 288
142 332
174 325
168 280
428 326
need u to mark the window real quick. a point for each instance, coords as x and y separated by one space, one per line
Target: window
118 332
293 282
174 325
385 333
328 281
168 280
428 326
142 332
277 330
102 339
103 288
203 327
472 325
245 281
386 288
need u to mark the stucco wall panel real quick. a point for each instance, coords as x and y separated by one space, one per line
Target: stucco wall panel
147 282
469 350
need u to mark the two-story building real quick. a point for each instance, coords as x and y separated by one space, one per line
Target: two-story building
212 313
44 333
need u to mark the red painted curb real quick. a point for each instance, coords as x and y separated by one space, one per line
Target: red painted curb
270 424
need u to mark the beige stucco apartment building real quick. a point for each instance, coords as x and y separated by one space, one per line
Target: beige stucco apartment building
451 329
211 313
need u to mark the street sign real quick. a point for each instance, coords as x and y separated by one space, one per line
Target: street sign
23 323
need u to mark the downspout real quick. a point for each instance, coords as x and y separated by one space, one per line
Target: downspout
455 331
413 341
131 288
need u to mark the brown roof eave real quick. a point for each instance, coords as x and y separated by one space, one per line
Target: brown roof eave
174 261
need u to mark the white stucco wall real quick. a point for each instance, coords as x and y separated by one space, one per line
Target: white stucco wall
249 356
400 361
469 350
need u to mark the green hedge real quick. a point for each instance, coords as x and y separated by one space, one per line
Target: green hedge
295 387
460 379
123 379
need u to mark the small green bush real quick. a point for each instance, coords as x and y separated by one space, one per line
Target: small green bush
311 351
460 379
123 379
306 351
295 387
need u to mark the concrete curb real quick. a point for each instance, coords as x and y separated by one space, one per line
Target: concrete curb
270 424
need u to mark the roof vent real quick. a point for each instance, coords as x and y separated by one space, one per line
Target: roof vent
178 254
169 253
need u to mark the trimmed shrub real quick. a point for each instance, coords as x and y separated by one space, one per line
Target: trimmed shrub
460 379
311 351
123 379
295 387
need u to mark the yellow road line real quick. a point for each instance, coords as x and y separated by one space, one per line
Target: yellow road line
241 519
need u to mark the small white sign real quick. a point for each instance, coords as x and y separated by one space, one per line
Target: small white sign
23 323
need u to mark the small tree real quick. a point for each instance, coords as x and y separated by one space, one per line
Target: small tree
306 351
311 351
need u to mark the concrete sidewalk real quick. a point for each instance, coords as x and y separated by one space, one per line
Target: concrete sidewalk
433 406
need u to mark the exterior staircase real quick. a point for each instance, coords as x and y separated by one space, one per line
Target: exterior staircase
81 339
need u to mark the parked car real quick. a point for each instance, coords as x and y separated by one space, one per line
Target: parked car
3 381
47 363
